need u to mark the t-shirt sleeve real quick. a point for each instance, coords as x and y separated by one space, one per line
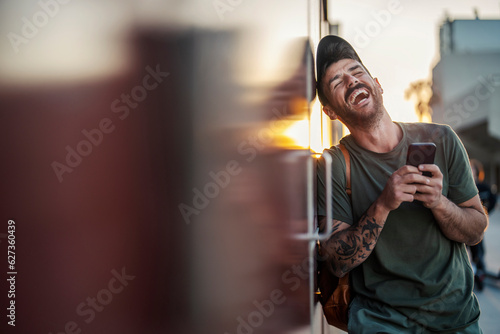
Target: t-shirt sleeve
340 200
461 182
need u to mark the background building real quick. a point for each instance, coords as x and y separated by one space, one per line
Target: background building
466 88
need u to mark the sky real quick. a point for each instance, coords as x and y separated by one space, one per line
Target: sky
398 39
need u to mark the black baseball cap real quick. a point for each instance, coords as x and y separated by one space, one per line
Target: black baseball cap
331 49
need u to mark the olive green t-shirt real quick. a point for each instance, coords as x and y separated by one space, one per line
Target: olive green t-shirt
415 269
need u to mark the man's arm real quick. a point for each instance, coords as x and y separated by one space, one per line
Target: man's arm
350 245
465 222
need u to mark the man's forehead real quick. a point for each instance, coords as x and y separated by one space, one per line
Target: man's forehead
343 64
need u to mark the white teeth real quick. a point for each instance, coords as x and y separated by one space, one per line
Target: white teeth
356 93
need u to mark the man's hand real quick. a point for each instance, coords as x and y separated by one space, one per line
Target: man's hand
429 190
465 222
402 187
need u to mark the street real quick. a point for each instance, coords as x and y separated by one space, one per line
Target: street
489 297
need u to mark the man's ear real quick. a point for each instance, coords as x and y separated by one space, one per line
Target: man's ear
379 85
330 113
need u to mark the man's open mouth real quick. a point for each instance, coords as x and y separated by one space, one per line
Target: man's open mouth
358 96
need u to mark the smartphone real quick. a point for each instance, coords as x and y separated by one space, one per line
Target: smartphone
421 154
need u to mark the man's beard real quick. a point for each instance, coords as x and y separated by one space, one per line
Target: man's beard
366 120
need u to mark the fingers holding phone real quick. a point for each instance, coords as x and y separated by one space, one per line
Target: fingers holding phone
421 155
420 179
430 194
400 187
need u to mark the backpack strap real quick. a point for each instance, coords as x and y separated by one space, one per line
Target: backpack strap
347 159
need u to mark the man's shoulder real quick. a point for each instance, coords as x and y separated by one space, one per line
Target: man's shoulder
424 126
335 152
433 132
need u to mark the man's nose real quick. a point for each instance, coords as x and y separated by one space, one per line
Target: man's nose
350 80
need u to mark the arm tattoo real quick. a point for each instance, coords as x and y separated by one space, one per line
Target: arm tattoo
371 226
352 246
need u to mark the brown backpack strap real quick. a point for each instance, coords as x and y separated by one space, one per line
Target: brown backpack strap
336 304
347 159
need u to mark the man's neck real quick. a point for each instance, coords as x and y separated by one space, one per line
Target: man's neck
381 138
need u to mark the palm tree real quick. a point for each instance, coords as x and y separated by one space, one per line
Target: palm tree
421 91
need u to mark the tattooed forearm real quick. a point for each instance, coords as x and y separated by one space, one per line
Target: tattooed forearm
350 246
366 231
371 226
